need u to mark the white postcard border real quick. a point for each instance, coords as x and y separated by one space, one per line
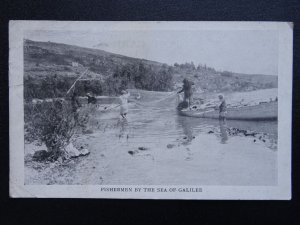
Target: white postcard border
16 130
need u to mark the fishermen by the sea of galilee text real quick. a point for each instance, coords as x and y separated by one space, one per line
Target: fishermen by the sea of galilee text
190 110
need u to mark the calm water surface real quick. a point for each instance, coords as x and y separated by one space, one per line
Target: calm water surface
156 119
155 146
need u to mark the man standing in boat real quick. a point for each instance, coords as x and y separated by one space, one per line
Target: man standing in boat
222 108
187 89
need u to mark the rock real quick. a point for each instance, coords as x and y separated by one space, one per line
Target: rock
254 140
84 152
249 134
244 132
60 160
72 151
142 148
131 152
170 145
40 155
184 137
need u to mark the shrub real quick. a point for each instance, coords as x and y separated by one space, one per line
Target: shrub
226 74
140 76
54 124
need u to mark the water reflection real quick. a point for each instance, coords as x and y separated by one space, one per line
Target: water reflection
191 127
223 131
187 126
123 124
149 125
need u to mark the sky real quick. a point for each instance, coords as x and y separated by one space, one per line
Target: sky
240 51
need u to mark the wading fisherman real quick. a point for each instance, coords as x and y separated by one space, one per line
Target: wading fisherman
124 103
222 108
187 89
91 99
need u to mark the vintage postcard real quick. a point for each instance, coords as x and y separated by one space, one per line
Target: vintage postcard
150 110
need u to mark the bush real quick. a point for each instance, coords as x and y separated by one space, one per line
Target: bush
54 124
140 76
134 75
226 74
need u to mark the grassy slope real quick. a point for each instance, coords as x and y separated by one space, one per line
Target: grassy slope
44 57
211 80
47 58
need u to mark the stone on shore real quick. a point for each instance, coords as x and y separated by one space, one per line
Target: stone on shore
132 152
170 145
74 152
84 152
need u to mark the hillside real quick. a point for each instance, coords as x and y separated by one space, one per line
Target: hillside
62 58
48 64
207 79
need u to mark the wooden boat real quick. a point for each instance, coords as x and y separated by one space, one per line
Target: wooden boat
261 112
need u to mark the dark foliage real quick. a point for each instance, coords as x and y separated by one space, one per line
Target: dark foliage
140 76
128 76
53 123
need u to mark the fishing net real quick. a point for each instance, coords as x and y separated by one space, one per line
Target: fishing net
153 99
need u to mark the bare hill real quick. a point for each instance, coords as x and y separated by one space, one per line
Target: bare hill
208 79
67 59
48 59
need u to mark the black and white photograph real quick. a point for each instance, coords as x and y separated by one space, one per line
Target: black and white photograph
180 110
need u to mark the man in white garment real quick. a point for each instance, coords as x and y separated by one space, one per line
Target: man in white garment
124 103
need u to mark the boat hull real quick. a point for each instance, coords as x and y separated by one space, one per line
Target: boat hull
263 111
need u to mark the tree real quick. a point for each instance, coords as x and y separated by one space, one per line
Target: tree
140 76
226 74
193 65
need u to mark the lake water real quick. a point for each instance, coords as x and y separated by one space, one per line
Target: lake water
154 117
155 146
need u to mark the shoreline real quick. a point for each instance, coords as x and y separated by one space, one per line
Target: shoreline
99 167
162 148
